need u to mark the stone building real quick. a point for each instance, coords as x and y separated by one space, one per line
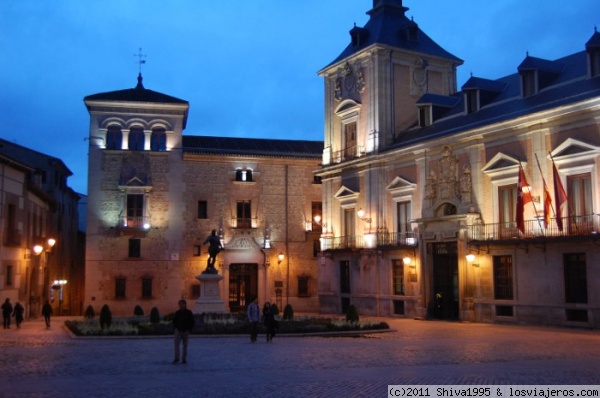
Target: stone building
39 236
154 195
424 212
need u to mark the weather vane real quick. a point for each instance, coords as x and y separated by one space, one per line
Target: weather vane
140 61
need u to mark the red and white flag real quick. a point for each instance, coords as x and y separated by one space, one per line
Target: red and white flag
559 195
523 197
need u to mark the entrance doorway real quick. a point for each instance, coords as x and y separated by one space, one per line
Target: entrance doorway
445 281
243 285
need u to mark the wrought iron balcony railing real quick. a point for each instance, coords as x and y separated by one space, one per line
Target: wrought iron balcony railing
572 226
370 241
127 222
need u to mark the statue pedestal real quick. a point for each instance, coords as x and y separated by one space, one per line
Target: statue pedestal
210 295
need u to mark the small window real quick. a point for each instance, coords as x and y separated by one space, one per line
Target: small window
316 247
147 288
317 180
243 175
345 276
195 291
398 277
158 140
197 250
9 275
120 288
317 212
135 248
424 116
503 278
575 278
504 310
398 307
244 220
595 63
303 286
202 209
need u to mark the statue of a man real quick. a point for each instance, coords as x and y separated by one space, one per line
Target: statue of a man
213 249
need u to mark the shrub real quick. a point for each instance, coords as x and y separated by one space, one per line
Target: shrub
154 315
138 310
89 312
288 313
352 314
105 316
274 309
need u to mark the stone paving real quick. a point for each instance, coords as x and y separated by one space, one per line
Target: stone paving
35 362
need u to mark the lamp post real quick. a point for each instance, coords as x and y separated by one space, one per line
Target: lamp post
38 277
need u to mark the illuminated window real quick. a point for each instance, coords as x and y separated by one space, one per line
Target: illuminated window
503 278
317 210
243 175
244 219
398 277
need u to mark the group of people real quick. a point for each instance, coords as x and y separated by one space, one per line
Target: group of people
268 318
18 312
183 324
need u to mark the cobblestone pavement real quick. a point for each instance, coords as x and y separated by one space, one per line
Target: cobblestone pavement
35 362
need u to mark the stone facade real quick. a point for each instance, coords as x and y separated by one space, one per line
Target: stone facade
417 175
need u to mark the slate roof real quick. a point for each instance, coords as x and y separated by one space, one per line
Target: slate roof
137 94
570 85
252 147
29 157
389 26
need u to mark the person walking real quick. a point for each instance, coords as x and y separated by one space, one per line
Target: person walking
269 320
18 314
253 318
7 310
47 312
183 323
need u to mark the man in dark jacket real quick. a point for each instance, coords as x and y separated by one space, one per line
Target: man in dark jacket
183 322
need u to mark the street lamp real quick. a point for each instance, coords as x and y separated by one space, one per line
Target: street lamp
38 276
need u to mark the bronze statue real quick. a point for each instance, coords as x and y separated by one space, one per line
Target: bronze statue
213 249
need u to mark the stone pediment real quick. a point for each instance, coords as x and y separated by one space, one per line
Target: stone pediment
242 240
400 185
501 165
572 149
345 193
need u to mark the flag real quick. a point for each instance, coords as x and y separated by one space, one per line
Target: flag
523 197
559 195
547 206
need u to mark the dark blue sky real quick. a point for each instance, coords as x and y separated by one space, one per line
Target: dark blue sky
248 68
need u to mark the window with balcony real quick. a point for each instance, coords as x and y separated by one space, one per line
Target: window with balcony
158 140
244 218
579 193
120 285
114 137
398 277
575 278
403 217
507 202
135 211
503 278
350 149
136 139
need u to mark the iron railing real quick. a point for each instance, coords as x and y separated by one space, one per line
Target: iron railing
369 241
571 226
137 222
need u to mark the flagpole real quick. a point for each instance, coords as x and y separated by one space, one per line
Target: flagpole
545 185
532 201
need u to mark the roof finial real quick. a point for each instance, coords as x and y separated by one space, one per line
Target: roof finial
140 61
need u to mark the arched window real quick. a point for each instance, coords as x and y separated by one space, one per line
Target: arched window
114 137
158 140
243 175
136 139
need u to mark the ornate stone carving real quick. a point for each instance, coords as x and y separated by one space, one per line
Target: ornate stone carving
349 84
419 77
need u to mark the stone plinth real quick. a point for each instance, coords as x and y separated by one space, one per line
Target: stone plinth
210 295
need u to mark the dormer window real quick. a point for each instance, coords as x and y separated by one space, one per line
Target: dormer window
471 101
424 116
528 83
592 48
